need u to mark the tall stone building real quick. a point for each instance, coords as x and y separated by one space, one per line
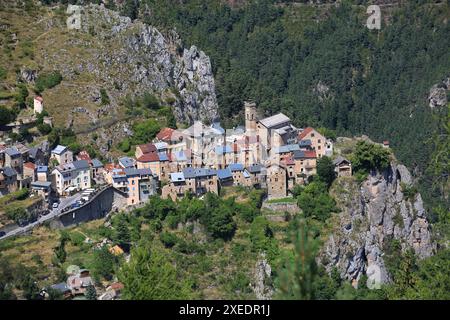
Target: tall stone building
251 117
276 181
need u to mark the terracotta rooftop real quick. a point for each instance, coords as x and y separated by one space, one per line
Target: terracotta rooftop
304 133
149 157
165 134
147 148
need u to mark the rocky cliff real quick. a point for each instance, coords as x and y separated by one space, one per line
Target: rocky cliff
383 208
123 58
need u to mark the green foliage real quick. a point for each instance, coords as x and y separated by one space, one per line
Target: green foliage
145 131
130 8
433 278
103 264
328 133
219 218
325 170
3 73
22 95
369 156
157 208
6 115
17 214
47 81
150 275
122 233
22 194
124 145
44 128
59 251
315 202
149 101
299 269
262 238
168 239
104 97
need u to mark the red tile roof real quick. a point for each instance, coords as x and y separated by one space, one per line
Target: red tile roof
39 98
149 157
84 155
165 134
29 165
147 148
310 154
304 133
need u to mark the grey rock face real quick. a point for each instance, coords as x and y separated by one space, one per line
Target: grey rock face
372 215
132 58
262 273
28 75
438 94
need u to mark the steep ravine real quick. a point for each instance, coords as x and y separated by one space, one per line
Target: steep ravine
372 214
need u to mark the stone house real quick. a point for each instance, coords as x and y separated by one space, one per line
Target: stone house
196 181
71 176
144 149
318 141
140 185
241 177
8 180
157 162
127 162
305 164
342 167
38 104
266 128
13 159
276 181
42 173
29 170
257 175
62 155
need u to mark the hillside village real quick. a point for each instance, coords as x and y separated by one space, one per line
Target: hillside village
118 181
268 153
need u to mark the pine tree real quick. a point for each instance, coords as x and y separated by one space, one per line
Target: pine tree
300 270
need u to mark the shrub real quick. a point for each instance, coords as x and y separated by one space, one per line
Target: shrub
104 97
44 128
168 239
369 156
48 81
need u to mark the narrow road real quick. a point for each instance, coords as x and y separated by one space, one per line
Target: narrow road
64 202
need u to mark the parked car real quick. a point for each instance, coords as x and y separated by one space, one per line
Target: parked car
75 205
2 234
55 205
45 212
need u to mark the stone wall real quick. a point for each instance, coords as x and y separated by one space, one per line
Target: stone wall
97 208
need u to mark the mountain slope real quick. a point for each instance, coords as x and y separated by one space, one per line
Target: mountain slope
110 56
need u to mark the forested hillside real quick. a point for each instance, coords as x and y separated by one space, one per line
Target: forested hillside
321 66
